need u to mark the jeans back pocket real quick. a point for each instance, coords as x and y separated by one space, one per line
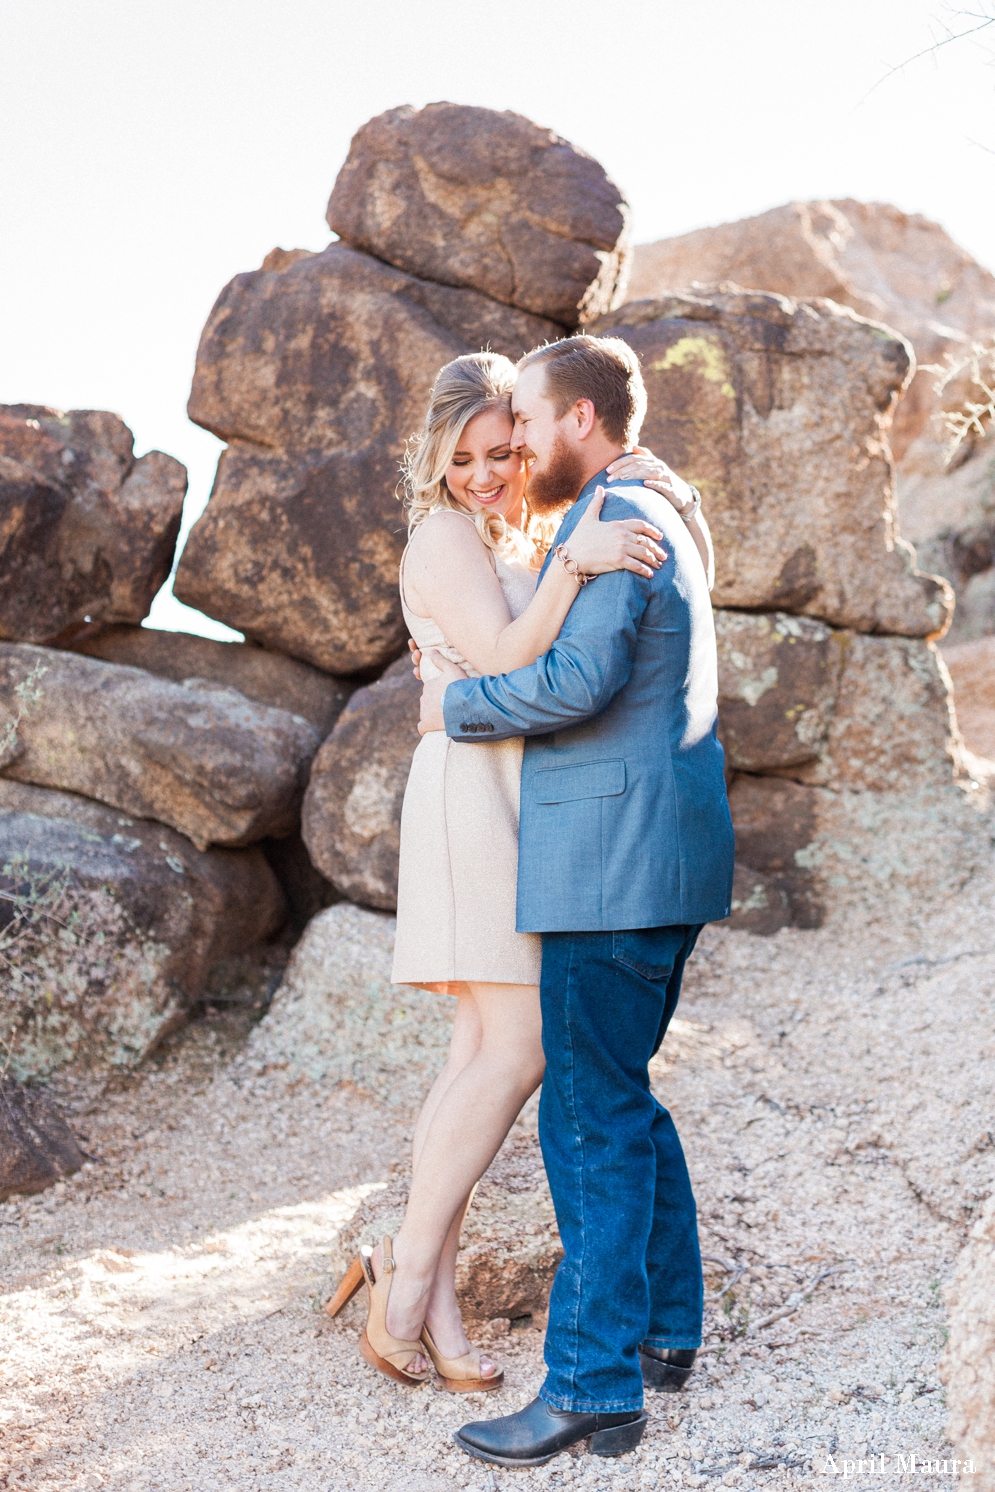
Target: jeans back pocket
649 951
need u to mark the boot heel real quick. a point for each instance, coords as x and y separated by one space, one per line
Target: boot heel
665 1376
352 1281
618 1439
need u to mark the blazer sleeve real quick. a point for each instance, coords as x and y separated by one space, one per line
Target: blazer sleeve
577 679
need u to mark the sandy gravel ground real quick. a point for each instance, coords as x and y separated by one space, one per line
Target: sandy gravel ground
161 1313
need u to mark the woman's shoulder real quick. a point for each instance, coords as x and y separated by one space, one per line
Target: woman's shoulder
447 532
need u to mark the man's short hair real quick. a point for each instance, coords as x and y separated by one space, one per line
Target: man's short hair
602 369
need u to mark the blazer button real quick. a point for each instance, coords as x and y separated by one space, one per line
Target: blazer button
490 727
464 727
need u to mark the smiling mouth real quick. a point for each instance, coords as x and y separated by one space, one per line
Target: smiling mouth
489 497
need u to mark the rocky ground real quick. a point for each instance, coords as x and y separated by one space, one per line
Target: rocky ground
162 1311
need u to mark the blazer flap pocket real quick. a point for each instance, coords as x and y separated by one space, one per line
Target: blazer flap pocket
585 780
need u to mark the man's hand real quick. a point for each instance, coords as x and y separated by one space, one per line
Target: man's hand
431 716
415 652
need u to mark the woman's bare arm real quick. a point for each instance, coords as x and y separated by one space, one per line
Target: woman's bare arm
449 576
698 529
675 489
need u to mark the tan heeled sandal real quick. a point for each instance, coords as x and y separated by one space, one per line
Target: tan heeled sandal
460 1375
389 1355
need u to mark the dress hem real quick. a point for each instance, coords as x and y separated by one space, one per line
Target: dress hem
456 987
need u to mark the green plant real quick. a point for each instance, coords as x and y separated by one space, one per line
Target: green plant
65 950
737 1314
28 696
36 905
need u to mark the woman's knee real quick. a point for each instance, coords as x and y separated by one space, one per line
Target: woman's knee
513 1068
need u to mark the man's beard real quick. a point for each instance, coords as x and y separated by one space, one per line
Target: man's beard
560 480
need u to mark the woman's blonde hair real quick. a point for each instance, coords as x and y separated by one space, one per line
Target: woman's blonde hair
468 386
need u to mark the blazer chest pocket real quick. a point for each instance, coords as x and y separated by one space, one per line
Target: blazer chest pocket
584 780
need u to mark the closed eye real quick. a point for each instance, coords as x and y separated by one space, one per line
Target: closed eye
491 456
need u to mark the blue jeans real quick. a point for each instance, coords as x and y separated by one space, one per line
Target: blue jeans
631 1270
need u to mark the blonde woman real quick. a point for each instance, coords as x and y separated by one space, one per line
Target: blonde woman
468 589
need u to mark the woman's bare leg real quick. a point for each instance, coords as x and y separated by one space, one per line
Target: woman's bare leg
467 1115
464 1044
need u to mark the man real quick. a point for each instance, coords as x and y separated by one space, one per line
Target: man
626 850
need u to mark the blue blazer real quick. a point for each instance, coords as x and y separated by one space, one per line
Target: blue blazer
624 818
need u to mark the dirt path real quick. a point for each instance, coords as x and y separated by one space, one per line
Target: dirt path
161 1312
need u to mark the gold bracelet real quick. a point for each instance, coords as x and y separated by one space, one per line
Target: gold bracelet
570 565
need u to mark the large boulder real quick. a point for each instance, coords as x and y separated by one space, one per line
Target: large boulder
885 264
779 413
201 758
472 197
778 678
316 374
760 904
834 708
268 678
307 891
775 823
111 926
848 856
893 727
352 809
86 531
37 1147
336 1017
815 722
968 1364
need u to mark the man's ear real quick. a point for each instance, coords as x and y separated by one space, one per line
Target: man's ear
585 417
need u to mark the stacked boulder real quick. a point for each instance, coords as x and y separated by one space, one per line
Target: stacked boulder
149 782
459 228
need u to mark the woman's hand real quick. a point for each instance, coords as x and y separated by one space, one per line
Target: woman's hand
625 544
642 466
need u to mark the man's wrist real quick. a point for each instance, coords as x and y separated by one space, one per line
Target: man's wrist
442 708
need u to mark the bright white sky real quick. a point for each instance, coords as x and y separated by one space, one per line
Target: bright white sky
151 152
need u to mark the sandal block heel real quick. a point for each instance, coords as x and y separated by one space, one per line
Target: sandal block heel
350 1284
618 1439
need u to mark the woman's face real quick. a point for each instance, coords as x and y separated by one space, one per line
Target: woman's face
485 472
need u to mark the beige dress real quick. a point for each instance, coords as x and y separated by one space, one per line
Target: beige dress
459 842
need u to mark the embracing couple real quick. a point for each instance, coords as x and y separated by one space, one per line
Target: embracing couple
565 835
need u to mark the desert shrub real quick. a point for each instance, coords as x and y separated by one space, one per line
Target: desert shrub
77 979
972 413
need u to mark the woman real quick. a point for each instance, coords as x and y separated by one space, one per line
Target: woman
468 590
